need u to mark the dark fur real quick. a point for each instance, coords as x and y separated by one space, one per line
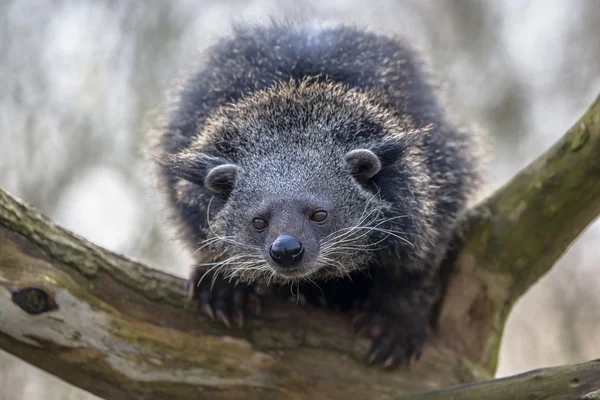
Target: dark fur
283 104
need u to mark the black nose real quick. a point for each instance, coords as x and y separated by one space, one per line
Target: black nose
286 250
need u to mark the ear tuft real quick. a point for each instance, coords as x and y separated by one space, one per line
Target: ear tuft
363 163
214 173
221 179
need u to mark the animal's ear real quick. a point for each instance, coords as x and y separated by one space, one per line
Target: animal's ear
363 163
221 179
214 173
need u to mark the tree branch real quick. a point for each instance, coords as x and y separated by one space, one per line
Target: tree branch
515 237
580 381
122 330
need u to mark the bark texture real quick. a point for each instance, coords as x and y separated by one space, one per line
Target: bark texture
122 330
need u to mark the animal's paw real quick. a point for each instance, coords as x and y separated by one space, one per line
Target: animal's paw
396 338
221 299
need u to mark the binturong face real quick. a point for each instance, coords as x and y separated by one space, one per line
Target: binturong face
297 182
288 219
284 219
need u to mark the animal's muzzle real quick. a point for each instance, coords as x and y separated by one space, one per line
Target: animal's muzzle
286 250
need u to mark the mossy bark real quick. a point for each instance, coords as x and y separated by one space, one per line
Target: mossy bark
122 330
515 236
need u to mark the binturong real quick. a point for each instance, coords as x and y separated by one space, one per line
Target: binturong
317 157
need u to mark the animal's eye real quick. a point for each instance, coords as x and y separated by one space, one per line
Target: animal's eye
319 216
259 224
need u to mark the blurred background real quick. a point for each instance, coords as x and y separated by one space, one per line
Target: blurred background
77 79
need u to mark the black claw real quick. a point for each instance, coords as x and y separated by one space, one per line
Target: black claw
395 358
223 318
207 309
223 300
204 304
389 362
381 349
396 339
372 356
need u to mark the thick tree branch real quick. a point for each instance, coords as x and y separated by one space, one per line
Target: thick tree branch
580 381
122 330
516 236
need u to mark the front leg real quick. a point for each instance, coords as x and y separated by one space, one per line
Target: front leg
221 298
397 314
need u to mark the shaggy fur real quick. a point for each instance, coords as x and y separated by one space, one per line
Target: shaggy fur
265 127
